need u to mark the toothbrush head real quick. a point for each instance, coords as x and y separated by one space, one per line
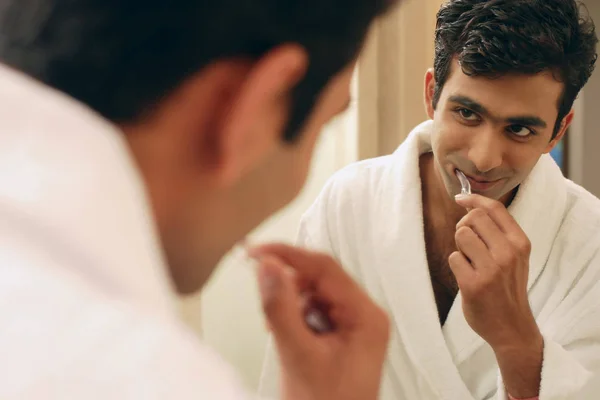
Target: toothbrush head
465 185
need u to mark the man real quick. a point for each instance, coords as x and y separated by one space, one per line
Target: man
130 130
524 249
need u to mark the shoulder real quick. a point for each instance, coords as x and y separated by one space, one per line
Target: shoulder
361 182
582 217
578 238
576 249
358 181
576 260
72 341
348 195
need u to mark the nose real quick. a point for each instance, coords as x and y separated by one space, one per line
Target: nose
486 150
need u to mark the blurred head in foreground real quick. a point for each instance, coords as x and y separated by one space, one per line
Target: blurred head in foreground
221 101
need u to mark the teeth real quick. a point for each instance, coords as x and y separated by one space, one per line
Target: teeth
464 182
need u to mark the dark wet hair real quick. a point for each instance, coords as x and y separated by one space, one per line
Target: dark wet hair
122 57
496 37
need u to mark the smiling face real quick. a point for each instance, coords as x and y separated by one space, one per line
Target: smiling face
493 130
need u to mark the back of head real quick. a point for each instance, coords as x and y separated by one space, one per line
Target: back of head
491 38
122 57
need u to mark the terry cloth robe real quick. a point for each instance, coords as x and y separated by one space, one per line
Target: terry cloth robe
370 218
87 308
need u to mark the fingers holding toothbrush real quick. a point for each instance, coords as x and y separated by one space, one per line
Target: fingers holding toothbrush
343 362
492 270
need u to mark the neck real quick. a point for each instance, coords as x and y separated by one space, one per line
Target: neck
191 254
153 163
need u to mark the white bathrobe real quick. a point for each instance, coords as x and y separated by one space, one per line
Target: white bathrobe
369 217
87 310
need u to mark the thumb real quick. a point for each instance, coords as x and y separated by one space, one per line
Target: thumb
464 200
281 305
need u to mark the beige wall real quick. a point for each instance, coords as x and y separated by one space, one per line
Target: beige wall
391 72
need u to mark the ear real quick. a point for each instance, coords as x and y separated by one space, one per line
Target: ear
564 126
429 92
256 114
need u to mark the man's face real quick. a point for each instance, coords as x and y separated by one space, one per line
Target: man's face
493 130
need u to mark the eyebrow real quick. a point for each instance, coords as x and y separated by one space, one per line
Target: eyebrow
526 120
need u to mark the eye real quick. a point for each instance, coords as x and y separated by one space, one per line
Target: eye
520 131
467 114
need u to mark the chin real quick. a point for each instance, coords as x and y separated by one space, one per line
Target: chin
189 275
190 284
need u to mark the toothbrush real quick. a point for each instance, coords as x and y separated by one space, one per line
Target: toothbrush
465 185
316 319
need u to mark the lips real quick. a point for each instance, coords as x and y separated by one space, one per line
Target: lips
481 185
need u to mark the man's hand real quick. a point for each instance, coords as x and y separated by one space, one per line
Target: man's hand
345 363
491 267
